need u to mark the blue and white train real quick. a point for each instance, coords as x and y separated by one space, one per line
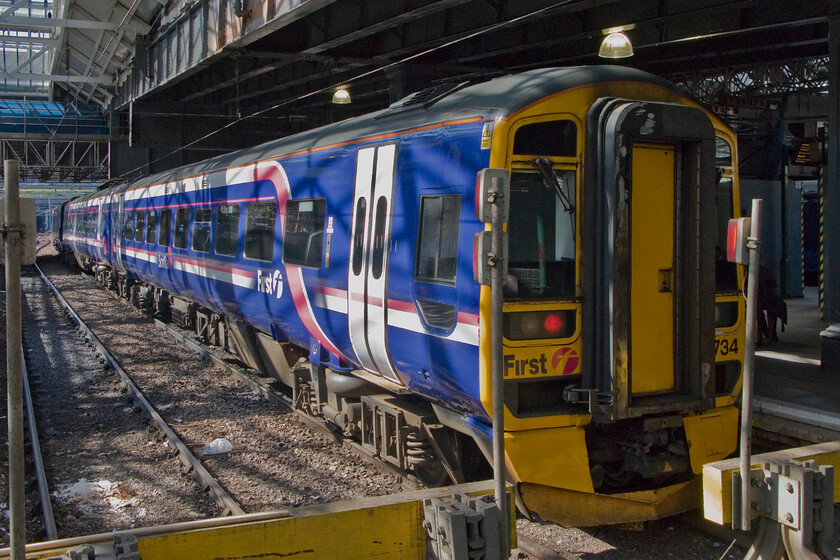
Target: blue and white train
340 261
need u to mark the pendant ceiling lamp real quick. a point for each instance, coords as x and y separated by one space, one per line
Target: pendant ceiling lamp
616 45
341 96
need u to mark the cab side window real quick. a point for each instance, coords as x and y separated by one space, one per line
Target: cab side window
726 275
303 239
437 240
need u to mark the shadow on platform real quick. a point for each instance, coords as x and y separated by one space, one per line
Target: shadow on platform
789 370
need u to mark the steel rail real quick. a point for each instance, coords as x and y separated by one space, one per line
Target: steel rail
228 504
43 488
284 402
537 551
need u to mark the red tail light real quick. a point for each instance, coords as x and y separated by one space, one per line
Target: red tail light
537 325
554 324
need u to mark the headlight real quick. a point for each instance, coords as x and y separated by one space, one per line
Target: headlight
531 325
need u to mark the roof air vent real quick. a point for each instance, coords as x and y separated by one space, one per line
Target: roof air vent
424 98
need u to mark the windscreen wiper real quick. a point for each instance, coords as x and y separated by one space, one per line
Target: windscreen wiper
546 169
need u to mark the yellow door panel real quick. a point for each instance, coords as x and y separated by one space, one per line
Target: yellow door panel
651 275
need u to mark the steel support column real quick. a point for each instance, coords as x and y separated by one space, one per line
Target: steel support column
830 233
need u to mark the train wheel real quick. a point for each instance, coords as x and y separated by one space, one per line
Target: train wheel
432 474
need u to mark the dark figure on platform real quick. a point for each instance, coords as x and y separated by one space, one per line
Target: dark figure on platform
771 307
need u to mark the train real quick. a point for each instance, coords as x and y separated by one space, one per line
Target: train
341 262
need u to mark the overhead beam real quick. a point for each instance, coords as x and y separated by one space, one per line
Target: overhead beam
30 60
61 37
49 23
406 17
768 79
42 41
101 80
106 55
280 21
89 65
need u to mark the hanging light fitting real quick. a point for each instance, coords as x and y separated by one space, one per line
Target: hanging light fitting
341 96
616 45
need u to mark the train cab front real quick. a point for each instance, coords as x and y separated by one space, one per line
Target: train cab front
613 398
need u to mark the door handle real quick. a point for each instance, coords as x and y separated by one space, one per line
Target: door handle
665 280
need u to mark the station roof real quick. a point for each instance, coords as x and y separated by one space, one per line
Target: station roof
242 56
79 45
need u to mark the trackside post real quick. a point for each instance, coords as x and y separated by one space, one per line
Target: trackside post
11 231
492 204
736 253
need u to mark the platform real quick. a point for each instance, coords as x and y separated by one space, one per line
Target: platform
789 372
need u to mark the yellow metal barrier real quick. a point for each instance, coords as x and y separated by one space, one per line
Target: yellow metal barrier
717 477
381 527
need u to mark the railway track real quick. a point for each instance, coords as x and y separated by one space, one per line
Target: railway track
314 470
194 465
250 379
45 504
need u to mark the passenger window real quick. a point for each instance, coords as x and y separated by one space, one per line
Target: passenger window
128 226
139 229
227 229
552 138
437 242
165 227
182 224
259 230
201 230
151 226
303 239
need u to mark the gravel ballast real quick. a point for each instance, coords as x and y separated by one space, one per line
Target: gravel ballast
112 472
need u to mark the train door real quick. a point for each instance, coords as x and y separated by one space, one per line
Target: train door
116 232
367 285
100 228
650 187
651 273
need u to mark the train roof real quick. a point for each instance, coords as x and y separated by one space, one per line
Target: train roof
499 97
